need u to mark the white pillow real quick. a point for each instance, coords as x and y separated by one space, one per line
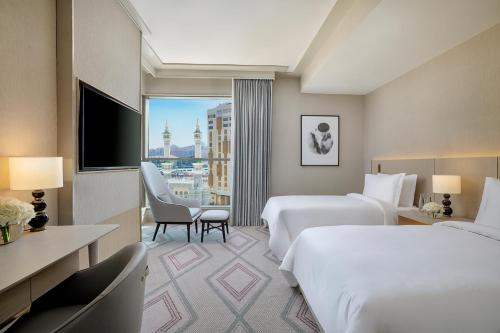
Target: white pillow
408 191
489 210
384 187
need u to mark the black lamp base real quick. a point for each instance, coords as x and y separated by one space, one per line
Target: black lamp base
447 211
40 220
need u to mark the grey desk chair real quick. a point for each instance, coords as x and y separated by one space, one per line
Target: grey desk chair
107 297
166 207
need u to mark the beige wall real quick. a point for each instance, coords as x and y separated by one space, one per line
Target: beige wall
108 57
447 107
28 105
108 49
187 87
287 176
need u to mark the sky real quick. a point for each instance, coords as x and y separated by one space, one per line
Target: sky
181 114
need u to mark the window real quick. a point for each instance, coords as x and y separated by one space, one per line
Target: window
183 139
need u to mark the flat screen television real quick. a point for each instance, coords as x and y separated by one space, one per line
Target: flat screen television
109 132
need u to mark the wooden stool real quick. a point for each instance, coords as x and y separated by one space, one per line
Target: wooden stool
210 217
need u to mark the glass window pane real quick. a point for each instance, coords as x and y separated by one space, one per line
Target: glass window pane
189 140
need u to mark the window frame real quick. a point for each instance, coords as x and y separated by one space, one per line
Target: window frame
145 135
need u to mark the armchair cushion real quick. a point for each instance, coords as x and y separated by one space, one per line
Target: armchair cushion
194 212
165 197
215 215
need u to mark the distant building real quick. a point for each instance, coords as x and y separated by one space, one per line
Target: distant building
210 186
166 141
219 147
191 182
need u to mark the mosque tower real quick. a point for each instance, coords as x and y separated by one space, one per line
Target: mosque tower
166 141
197 140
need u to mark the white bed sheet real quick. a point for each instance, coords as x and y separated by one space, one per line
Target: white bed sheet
404 279
287 216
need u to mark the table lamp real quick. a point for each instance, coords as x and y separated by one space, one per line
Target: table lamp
36 174
446 185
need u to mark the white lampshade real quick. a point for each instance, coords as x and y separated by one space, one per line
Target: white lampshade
35 173
446 184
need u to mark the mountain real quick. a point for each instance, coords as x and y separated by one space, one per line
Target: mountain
156 152
182 152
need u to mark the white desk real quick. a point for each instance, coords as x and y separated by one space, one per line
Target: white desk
38 261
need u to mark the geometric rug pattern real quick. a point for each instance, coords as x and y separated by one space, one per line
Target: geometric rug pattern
219 287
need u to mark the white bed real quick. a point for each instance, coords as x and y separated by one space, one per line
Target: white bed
401 279
287 216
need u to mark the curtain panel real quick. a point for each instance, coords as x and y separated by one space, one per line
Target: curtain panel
252 150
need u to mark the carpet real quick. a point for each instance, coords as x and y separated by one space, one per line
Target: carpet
219 287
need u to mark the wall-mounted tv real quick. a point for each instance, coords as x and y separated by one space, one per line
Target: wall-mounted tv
109 132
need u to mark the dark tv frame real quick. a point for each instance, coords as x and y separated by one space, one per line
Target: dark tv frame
79 155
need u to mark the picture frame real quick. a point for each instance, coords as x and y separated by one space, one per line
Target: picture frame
319 140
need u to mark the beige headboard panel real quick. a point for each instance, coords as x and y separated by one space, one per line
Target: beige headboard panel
424 168
473 171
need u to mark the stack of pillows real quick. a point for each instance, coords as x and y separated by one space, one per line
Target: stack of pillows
397 189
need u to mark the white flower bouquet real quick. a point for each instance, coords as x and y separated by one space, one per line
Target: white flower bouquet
433 209
15 213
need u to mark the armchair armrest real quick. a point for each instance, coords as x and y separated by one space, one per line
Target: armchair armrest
167 212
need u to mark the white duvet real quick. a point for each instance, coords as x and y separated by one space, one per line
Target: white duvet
400 279
287 216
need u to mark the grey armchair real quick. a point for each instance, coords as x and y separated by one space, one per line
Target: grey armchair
107 297
166 207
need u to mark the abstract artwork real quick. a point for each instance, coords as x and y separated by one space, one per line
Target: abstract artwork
319 140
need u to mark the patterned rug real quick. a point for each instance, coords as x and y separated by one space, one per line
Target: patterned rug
219 287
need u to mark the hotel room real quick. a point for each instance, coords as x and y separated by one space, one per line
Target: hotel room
250 166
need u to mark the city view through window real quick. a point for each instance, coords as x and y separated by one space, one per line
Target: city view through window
189 141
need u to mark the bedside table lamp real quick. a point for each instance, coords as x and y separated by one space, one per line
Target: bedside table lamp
36 174
446 185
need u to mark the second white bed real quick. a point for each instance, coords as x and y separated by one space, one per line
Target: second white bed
287 216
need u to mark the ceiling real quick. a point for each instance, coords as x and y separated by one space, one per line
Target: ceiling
394 37
232 32
335 46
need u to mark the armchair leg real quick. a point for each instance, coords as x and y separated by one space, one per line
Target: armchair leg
202 230
223 232
196 225
164 228
189 232
156 230
227 227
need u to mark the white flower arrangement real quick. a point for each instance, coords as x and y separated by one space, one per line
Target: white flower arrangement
13 211
433 209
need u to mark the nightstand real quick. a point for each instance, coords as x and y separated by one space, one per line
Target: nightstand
418 218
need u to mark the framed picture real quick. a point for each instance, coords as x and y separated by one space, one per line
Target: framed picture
319 140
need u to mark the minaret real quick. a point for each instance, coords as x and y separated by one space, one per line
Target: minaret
197 141
166 141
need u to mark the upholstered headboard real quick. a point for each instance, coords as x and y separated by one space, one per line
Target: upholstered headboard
472 169
424 168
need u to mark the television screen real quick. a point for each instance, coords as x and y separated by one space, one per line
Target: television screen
109 132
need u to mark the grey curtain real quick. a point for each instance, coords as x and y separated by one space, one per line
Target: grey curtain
252 150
